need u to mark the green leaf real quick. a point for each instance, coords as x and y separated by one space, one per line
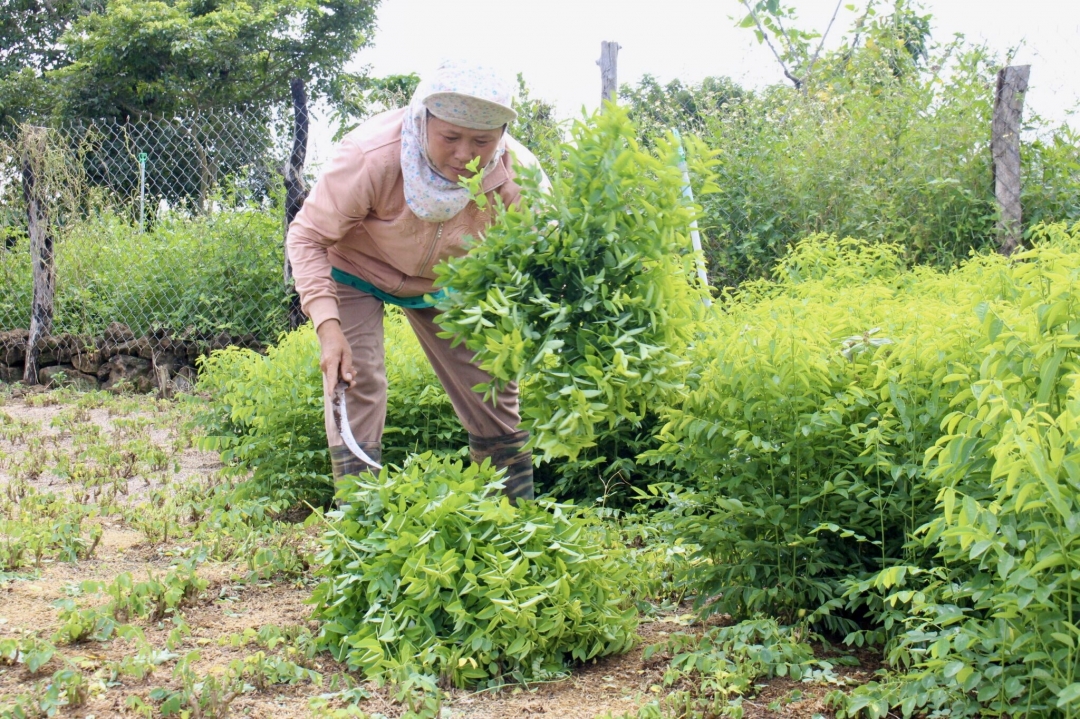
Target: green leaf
1069 695
1048 377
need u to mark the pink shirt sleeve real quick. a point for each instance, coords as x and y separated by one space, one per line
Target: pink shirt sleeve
340 200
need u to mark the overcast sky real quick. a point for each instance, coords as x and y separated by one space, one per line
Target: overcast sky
556 43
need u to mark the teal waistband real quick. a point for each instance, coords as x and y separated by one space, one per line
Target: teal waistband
412 303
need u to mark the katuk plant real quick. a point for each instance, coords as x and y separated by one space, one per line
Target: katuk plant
586 290
429 571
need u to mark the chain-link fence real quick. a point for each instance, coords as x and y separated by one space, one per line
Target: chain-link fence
165 238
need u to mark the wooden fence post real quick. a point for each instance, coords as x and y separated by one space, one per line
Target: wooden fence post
608 62
1012 83
34 150
296 190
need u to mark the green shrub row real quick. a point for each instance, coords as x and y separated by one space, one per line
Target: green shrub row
813 401
219 272
990 626
889 454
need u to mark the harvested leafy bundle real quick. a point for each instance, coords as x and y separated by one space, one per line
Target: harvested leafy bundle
431 569
585 291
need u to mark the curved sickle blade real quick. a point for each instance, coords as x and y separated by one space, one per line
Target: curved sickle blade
341 421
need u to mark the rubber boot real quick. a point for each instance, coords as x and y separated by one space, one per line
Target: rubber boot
344 463
505 452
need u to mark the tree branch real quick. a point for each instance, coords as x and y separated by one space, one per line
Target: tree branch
789 45
787 73
817 53
859 26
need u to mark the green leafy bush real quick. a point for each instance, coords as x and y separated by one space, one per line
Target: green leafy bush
16 277
266 416
890 454
584 292
711 672
1051 187
430 568
902 159
655 109
812 402
608 472
536 127
887 139
266 411
989 627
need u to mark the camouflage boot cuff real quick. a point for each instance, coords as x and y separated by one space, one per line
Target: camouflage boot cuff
506 453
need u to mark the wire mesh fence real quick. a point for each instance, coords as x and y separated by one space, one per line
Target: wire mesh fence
165 240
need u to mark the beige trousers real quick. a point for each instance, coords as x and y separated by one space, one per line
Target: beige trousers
362 323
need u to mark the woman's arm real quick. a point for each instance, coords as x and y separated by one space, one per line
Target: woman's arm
340 200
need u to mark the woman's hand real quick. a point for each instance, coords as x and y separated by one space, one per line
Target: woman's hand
336 361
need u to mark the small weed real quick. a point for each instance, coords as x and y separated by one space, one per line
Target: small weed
67 687
204 696
82 625
16 430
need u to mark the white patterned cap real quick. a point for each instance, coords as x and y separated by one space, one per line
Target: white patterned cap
467 95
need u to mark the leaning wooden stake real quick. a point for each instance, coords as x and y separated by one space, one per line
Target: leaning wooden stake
608 62
296 190
41 246
1012 83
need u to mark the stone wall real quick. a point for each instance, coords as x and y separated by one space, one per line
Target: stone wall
116 360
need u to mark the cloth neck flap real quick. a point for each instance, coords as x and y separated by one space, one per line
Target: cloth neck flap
428 194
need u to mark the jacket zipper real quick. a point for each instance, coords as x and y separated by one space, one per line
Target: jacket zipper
431 250
439 231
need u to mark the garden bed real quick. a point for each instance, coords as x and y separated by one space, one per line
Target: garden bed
141 488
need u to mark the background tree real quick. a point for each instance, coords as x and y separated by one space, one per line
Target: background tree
30 46
165 58
900 36
884 137
224 66
536 126
357 96
656 108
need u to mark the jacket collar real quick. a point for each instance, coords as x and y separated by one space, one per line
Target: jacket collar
498 176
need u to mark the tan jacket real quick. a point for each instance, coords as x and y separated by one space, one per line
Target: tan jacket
356 219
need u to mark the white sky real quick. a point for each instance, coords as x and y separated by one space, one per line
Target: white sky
556 43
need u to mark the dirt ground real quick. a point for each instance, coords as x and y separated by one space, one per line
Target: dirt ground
232 602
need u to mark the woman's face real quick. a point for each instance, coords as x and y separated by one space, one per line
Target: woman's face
452 147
